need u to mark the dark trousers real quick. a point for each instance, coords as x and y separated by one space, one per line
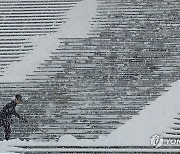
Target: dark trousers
7 128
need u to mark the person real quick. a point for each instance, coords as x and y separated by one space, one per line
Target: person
6 113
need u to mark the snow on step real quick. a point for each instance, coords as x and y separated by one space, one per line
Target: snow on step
156 118
77 25
22 20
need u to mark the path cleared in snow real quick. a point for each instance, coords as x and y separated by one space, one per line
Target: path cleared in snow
78 25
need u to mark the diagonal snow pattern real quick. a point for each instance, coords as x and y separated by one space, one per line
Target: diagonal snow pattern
154 119
78 25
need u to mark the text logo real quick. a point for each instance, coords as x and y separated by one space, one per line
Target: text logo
157 140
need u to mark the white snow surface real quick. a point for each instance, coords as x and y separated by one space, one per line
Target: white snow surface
78 25
156 118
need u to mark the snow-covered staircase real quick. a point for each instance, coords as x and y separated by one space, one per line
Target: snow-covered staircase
90 86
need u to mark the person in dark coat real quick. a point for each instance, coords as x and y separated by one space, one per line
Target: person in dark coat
6 114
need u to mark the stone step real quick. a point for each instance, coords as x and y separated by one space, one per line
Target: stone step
40 149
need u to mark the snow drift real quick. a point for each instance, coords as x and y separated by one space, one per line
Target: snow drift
78 25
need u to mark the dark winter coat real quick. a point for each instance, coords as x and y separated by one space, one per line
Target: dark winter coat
9 110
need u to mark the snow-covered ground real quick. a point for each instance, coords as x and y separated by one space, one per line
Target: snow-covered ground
156 118
78 25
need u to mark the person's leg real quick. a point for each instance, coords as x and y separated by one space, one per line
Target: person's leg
1 123
7 130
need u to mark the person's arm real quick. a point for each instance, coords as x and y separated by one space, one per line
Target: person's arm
11 107
20 117
16 114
